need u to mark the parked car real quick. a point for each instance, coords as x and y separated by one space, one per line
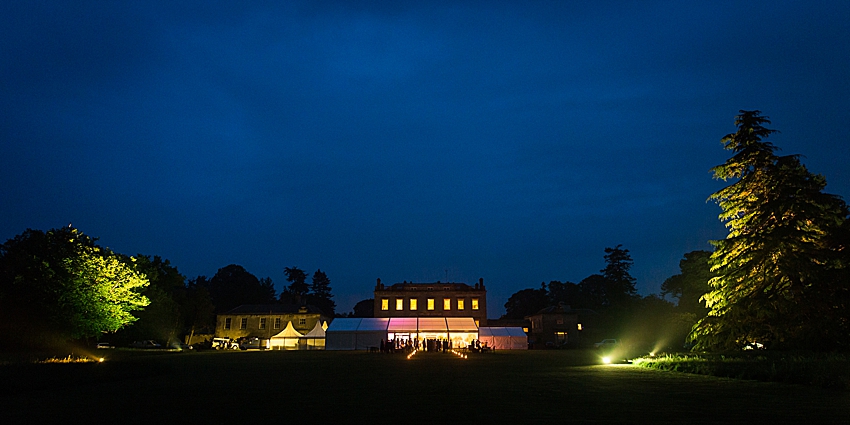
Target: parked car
148 343
252 344
607 343
224 344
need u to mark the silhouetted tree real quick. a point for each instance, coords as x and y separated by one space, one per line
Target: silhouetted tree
198 311
233 286
691 283
297 290
782 269
567 293
594 291
619 283
364 308
320 293
526 302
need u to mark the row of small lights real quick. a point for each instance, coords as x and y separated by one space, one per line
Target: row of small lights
409 356
459 354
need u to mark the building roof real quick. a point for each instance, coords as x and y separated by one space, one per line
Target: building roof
275 309
436 286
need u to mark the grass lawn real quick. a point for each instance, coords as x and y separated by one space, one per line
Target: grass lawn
341 387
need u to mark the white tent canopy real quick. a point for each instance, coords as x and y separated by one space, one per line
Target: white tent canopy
313 340
503 338
287 339
361 334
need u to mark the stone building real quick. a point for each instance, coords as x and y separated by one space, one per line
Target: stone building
560 326
432 300
266 320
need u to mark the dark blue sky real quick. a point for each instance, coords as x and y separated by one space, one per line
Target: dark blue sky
413 141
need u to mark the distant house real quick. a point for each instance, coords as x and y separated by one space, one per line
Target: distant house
267 320
560 326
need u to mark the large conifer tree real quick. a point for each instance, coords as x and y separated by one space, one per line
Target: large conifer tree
782 270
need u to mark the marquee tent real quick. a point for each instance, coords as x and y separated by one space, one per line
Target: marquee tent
356 333
361 334
313 340
503 338
287 339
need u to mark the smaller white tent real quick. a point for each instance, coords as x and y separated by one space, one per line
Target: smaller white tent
503 338
287 339
313 340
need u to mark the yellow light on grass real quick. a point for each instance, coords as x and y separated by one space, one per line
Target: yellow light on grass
606 360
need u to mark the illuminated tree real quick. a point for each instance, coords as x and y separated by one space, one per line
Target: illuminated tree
782 270
59 285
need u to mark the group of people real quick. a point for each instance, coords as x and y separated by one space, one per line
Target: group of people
404 345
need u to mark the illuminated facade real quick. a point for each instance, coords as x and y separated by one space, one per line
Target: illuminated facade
267 320
437 299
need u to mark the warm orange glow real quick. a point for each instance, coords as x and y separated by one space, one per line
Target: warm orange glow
430 303
399 304
413 302
447 303
460 304
385 304
475 303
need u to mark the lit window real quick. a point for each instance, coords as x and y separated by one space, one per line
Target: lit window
561 336
399 304
475 303
244 323
302 321
262 323
447 303
430 303
413 303
460 304
579 326
525 330
385 304
277 322
227 323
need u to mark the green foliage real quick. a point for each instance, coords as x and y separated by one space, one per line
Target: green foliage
60 285
782 270
828 371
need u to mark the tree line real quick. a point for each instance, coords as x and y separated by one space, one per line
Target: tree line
60 285
780 279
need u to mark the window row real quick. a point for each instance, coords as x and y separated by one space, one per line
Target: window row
243 323
430 303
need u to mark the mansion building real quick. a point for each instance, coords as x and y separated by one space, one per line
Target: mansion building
432 300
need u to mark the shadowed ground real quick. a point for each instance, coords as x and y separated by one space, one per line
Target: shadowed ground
322 387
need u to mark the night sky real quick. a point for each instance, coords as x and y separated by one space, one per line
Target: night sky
421 141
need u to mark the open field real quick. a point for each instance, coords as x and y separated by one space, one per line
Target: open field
358 387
